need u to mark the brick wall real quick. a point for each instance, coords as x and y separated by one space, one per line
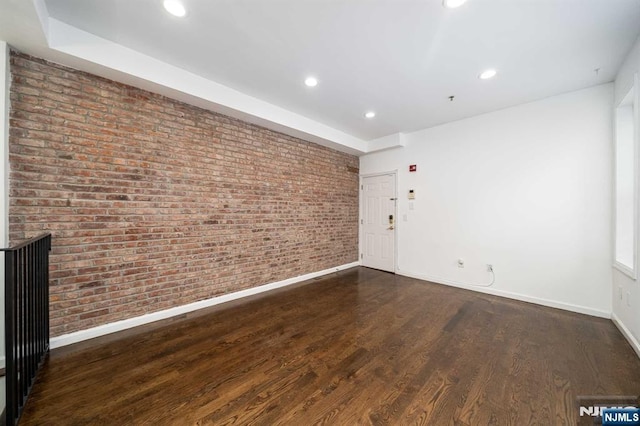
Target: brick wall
154 203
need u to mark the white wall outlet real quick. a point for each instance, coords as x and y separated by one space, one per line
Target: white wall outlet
489 267
460 263
620 292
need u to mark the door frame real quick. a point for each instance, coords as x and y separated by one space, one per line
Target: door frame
395 215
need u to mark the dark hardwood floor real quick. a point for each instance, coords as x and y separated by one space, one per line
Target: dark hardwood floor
356 347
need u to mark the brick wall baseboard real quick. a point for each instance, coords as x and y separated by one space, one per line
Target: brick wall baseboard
102 330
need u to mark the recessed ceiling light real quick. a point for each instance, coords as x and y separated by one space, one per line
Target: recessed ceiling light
451 4
175 8
311 81
487 74
370 114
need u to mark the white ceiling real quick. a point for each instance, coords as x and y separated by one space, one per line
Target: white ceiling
400 58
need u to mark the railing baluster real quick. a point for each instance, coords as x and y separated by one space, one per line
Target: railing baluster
26 319
9 321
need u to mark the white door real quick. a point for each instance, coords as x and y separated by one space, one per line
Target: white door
378 222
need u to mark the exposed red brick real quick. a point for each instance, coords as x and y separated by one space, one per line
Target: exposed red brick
154 203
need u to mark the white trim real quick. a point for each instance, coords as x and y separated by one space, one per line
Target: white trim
626 333
631 273
634 101
101 330
516 296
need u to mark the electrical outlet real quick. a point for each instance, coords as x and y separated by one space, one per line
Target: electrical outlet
489 267
629 299
460 263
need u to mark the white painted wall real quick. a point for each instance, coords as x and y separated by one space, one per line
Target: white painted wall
5 79
527 189
627 317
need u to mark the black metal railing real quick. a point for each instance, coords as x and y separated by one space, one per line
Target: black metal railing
26 289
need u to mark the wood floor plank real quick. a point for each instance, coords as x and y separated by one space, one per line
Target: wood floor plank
356 347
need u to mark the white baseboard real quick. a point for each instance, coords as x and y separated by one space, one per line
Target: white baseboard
510 295
101 330
626 333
